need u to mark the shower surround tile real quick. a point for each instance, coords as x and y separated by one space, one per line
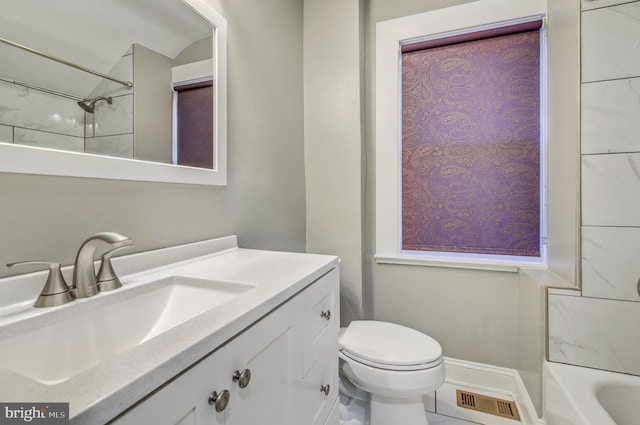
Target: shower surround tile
594 332
120 146
610 111
596 4
611 43
36 110
611 190
610 266
597 329
6 134
43 139
46 120
114 119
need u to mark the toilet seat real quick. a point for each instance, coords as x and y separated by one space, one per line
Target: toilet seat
396 365
384 366
389 346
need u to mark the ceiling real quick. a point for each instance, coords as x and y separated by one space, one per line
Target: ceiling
91 33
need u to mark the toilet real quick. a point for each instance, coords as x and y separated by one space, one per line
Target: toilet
395 364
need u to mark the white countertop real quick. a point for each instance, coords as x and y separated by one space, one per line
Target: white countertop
99 394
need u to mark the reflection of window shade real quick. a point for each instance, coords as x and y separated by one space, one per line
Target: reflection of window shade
471 146
195 124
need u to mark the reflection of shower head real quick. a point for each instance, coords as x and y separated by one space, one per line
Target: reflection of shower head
90 104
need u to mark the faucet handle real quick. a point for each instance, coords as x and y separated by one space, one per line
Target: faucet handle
107 279
55 291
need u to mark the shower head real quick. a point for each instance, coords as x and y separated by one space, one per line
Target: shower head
90 104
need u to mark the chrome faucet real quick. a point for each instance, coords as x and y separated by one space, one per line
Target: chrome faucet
84 274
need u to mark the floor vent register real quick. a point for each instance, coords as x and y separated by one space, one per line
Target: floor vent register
486 404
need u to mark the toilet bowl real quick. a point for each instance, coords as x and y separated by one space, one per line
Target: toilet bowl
396 365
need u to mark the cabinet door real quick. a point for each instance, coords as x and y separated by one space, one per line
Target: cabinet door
185 400
321 320
316 383
333 418
266 350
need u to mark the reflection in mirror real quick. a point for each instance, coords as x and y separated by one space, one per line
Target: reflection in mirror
165 47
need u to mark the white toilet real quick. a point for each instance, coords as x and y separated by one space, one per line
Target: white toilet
396 365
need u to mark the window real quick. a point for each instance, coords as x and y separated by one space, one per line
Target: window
194 125
441 199
471 143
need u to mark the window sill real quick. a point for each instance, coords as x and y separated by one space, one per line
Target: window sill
428 261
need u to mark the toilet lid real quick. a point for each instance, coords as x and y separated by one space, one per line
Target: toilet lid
389 344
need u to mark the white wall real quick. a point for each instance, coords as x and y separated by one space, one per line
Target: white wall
49 217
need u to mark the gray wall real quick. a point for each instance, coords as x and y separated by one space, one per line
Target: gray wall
196 51
475 314
484 316
264 203
152 107
333 139
470 312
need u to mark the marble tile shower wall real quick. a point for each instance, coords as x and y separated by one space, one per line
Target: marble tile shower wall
598 327
110 129
37 118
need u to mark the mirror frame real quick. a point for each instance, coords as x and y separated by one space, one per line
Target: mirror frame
41 161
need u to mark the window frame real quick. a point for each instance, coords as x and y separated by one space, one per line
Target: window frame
390 36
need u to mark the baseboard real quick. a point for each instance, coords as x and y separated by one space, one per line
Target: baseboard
493 380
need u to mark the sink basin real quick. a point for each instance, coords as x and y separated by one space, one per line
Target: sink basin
56 346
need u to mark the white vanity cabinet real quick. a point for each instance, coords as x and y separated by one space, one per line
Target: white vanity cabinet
291 354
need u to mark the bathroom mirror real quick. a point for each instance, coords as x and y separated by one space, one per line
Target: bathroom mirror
57 119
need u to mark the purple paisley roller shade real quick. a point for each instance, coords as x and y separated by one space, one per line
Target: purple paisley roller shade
471 147
195 124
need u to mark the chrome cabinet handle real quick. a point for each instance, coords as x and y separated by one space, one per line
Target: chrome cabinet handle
326 314
325 389
219 400
242 378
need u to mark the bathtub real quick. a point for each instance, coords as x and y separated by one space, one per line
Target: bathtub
576 395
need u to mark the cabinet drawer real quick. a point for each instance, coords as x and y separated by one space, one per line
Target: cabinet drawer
316 393
321 322
323 402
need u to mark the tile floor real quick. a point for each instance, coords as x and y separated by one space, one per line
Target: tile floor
353 411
